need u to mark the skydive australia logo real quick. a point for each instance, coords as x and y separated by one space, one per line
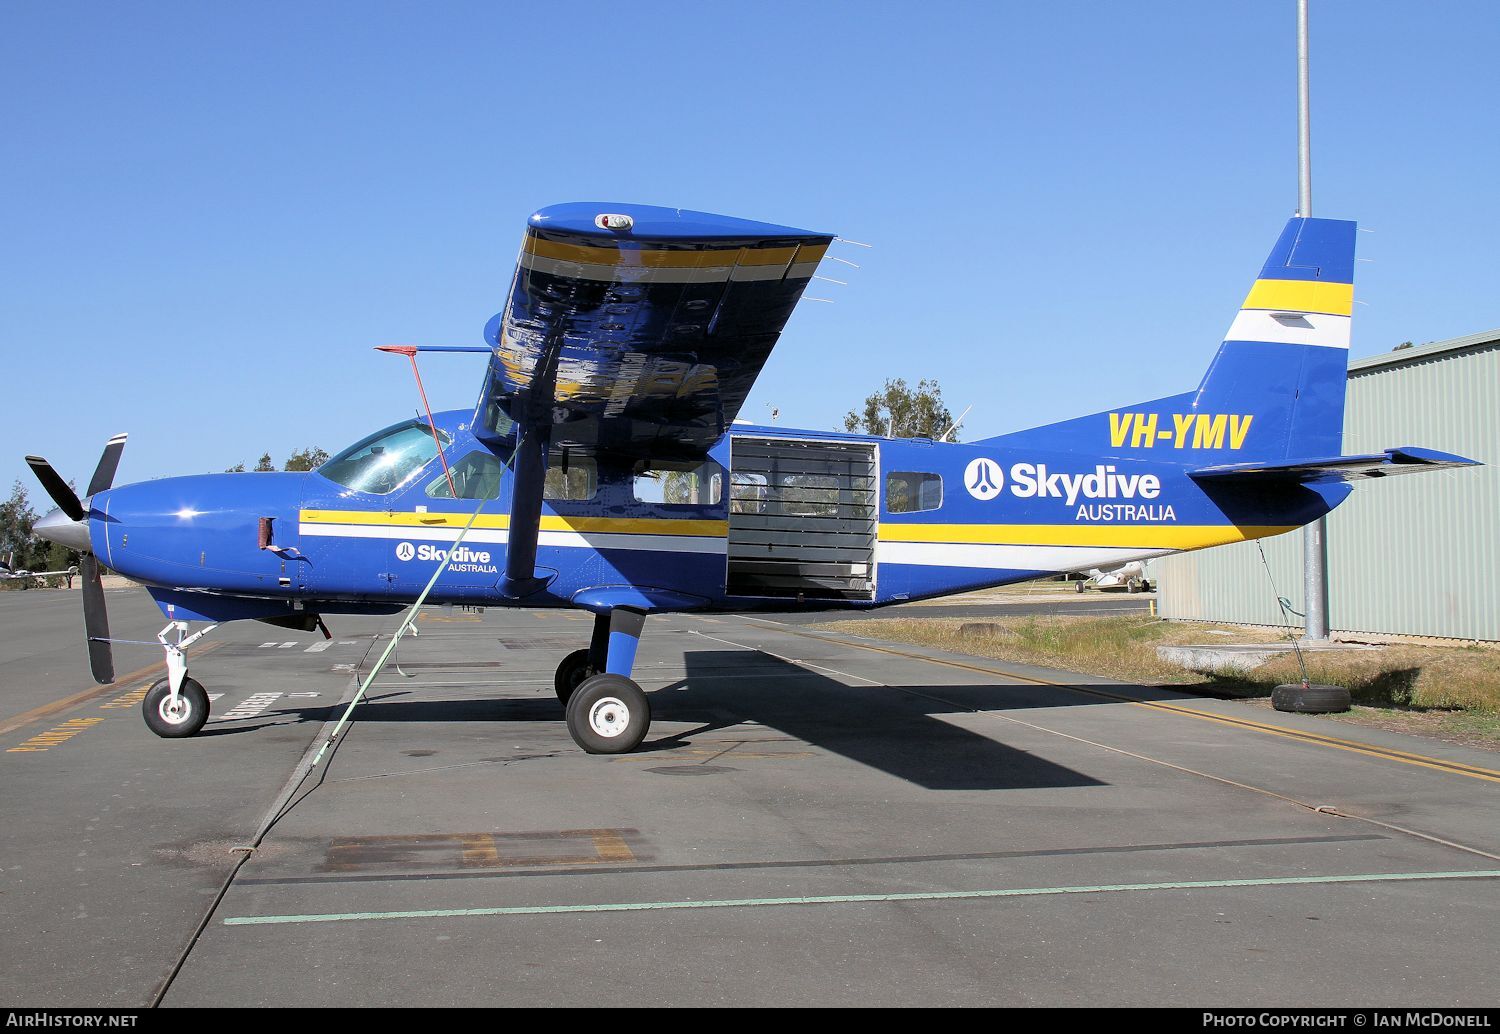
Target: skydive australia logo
984 480
473 561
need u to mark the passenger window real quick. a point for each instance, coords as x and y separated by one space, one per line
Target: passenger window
386 460
687 483
910 492
476 476
570 475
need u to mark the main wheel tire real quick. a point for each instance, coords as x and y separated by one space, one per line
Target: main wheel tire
608 714
1313 699
575 667
188 717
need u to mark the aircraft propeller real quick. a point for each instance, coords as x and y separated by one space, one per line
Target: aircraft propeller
68 525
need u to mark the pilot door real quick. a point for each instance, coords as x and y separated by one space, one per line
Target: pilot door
802 519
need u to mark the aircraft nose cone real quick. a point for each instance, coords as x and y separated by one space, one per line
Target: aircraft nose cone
60 528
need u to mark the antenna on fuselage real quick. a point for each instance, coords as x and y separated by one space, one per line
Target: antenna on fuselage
955 425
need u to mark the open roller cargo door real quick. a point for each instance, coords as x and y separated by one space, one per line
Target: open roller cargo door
802 519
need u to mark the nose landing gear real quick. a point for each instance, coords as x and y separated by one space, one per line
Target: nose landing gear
177 705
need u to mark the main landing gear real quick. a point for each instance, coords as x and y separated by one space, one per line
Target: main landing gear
177 705
607 712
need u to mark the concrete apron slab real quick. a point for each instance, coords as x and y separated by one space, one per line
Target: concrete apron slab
1216 657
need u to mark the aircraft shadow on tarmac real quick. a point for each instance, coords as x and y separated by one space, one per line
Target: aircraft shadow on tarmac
894 729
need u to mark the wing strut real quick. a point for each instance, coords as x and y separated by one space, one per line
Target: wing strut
531 408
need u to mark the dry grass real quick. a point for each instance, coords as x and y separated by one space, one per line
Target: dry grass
1455 689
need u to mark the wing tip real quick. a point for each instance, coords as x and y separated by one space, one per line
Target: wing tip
654 222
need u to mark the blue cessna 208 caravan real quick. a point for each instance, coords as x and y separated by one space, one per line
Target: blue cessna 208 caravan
603 468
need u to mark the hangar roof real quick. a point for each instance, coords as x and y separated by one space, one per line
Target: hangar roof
1485 339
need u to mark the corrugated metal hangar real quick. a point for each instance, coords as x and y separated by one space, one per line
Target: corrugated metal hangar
1408 556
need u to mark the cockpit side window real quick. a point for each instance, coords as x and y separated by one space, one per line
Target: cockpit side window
386 460
476 476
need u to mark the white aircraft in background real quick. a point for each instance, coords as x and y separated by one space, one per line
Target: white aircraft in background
1131 575
9 573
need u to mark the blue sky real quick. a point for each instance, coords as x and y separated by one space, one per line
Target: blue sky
212 212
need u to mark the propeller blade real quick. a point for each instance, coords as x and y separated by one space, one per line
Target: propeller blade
96 621
65 498
109 462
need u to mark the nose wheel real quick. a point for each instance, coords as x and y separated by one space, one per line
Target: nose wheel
608 714
175 715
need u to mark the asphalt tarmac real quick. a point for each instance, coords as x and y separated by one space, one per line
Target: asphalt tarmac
814 819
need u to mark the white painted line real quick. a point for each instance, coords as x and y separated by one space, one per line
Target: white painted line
319 647
214 696
264 645
287 646
291 696
859 899
251 706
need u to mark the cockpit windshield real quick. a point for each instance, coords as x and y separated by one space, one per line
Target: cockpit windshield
386 460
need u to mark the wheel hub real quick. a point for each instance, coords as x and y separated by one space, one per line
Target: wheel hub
174 714
609 717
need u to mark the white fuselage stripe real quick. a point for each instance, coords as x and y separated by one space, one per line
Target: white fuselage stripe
1010 558
580 540
984 556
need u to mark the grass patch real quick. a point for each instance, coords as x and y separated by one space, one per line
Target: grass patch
1456 688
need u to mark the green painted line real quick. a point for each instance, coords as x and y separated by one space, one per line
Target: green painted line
854 899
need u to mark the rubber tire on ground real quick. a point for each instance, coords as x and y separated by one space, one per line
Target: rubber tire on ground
1313 699
1078 586
575 667
596 692
191 694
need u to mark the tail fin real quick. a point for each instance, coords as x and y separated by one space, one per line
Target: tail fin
1274 391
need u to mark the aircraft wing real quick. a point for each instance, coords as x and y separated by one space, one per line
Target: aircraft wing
638 331
1336 468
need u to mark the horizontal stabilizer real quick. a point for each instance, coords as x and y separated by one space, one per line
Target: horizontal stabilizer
1336 468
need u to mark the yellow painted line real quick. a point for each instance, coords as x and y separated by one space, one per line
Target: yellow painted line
1355 746
1145 536
611 525
1301 296
36 714
56 735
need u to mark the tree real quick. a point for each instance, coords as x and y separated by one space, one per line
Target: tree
238 468
309 458
902 412
264 464
20 547
16 520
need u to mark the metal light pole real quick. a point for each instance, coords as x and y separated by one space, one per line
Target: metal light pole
1315 535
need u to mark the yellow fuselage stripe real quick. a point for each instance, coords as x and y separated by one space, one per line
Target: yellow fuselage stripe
612 525
1301 296
1145 536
